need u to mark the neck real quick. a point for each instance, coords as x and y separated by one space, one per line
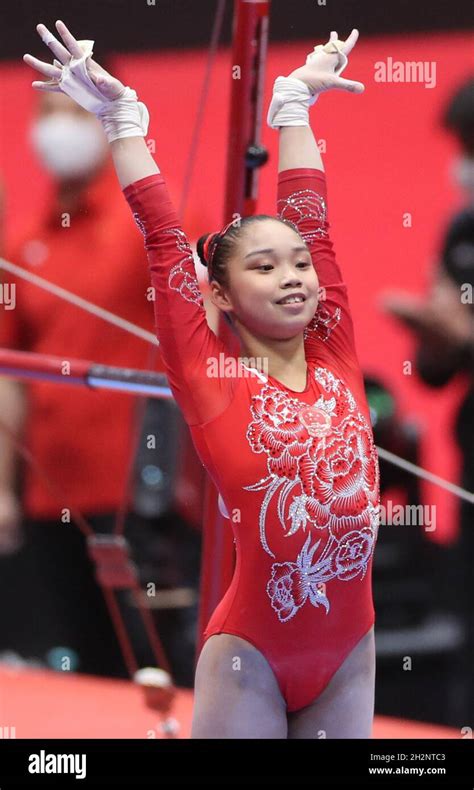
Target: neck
71 190
70 193
280 357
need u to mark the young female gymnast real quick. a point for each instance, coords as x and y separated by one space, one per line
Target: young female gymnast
289 651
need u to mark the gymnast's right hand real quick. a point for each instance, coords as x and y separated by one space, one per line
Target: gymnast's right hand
67 54
75 73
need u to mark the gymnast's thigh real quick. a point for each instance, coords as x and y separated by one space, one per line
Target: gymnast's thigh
345 708
236 694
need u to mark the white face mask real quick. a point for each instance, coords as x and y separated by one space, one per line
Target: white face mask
68 146
463 174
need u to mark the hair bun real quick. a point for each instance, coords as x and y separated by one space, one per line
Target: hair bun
203 247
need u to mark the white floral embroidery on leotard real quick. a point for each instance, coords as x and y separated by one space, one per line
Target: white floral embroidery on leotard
139 223
182 276
310 207
322 323
325 457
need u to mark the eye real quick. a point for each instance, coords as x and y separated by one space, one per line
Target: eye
265 267
304 263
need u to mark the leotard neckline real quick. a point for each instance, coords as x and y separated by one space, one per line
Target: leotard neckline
285 386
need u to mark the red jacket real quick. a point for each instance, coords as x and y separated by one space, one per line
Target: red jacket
81 438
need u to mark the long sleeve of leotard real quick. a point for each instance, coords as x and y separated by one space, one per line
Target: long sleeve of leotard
302 198
188 346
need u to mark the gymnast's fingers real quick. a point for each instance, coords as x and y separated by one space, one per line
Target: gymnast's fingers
56 48
350 41
69 40
46 86
44 68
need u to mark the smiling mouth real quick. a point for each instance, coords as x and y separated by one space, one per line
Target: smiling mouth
292 300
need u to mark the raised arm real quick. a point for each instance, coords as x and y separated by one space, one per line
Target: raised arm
302 192
297 147
131 156
187 344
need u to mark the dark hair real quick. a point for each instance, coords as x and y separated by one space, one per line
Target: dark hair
458 115
215 253
215 249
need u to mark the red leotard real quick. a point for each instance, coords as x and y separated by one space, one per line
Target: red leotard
297 471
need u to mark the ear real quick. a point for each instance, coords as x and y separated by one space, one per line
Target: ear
220 297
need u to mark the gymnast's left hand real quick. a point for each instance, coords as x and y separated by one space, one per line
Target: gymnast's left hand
322 69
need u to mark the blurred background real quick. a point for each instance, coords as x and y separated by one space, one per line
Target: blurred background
400 169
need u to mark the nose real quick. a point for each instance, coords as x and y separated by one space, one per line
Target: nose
291 278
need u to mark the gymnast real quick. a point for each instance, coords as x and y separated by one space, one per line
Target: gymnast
289 650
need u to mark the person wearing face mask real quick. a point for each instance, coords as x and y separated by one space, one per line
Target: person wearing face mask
68 145
443 324
83 241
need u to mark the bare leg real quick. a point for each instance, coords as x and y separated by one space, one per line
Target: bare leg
236 694
345 709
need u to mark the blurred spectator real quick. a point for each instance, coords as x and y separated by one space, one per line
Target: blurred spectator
83 440
444 327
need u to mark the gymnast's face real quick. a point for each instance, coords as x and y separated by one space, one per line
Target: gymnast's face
270 263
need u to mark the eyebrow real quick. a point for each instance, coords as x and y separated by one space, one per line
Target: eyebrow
270 249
